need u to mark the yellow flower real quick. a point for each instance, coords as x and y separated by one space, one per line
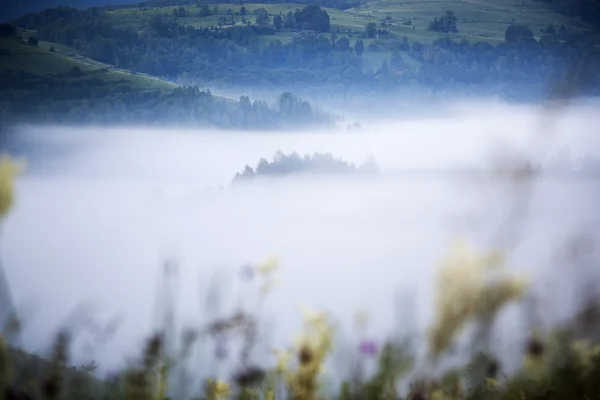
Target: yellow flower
268 285
269 266
217 389
585 352
283 360
492 383
439 395
269 394
163 381
534 366
8 170
313 318
464 292
311 349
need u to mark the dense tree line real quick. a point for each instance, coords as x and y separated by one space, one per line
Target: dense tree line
522 66
15 9
445 24
339 4
293 163
86 98
587 10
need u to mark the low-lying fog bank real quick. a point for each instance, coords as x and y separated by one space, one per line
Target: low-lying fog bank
95 222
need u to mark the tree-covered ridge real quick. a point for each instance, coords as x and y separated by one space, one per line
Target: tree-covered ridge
62 90
252 54
293 163
587 10
339 4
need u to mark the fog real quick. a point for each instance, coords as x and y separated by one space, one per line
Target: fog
96 222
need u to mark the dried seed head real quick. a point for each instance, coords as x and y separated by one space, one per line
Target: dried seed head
153 350
492 369
51 387
418 391
60 349
535 347
249 376
305 355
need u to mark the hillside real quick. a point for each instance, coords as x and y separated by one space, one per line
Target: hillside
16 8
129 64
481 20
48 59
45 82
478 20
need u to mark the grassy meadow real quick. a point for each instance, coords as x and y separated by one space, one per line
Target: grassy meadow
55 60
40 60
478 20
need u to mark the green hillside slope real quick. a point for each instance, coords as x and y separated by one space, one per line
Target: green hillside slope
480 20
45 82
55 60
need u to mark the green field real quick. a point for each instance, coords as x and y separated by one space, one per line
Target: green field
478 20
39 60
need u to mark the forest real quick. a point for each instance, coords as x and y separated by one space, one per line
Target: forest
293 164
520 67
285 52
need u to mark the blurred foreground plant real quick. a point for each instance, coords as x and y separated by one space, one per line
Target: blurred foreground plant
9 169
555 366
468 290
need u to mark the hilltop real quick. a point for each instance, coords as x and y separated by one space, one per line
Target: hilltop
47 82
380 26
47 60
477 20
16 8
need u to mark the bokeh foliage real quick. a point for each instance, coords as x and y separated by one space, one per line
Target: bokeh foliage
471 290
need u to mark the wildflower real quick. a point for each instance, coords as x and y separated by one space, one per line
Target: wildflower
305 355
8 170
269 266
439 394
535 355
586 353
312 318
163 382
269 394
492 383
249 376
418 391
368 348
492 369
283 358
312 348
217 389
268 285
153 350
222 325
535 347
464 292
